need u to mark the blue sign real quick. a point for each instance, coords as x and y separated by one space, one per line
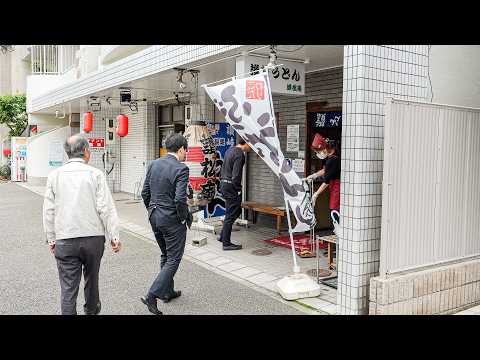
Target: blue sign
224 136
325 119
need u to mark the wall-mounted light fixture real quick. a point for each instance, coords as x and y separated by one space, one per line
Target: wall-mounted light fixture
273 56
180 81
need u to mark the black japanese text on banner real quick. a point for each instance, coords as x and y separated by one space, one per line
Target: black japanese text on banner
247 106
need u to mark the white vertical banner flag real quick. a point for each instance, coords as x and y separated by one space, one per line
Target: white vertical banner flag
247 106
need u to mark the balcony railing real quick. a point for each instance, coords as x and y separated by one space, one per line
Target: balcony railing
53 59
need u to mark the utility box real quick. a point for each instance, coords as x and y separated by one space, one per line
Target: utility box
110 131
192 113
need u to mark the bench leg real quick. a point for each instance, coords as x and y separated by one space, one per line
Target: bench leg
279 224
330 256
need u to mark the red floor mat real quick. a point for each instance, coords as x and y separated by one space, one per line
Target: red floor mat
301 242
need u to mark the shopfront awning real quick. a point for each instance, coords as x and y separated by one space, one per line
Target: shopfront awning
150 61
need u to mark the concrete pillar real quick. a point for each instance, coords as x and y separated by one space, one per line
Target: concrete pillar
371 73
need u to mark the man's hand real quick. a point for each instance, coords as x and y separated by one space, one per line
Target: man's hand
314 198
52 248
310 177
116 245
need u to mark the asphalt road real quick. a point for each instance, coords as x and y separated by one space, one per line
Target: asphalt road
29 280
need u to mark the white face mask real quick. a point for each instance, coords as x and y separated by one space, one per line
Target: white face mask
322 155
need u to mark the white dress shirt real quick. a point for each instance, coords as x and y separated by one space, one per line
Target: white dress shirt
174 154
78 203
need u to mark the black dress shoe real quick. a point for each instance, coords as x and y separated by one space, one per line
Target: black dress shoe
97 309
174 295
219 239
231 247
151 305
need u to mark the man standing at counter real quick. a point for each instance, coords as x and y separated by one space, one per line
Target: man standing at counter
231 189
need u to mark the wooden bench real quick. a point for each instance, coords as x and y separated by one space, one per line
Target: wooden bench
330 240
265 209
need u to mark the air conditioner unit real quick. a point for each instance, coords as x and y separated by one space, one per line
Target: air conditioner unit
192 113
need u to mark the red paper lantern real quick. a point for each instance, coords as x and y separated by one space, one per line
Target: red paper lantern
122 125
87 122
7 152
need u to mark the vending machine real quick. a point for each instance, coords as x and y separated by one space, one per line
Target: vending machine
19 158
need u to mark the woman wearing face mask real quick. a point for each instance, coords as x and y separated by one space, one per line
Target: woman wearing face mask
329 174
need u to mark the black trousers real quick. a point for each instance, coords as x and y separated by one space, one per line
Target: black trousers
72 256
171 240
233 209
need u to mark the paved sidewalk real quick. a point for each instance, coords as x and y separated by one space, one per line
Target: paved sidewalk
471 311
29 277
261 271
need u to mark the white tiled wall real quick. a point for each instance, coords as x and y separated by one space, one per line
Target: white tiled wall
133 151
371 73
99 128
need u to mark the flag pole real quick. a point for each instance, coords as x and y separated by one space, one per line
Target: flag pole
296 268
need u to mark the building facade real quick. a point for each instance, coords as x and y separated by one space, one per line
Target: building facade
353 80
14 70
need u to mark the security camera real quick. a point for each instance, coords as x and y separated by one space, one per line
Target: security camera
182 85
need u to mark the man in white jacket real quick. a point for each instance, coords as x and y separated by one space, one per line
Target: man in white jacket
79 215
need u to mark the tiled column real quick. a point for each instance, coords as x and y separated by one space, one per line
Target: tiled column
151 142
371 73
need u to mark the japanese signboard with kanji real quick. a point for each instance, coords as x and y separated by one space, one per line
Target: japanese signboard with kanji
96 144
224 136
325 119
287 79
293 138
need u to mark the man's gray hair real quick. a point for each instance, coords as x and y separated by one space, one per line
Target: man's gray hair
75 146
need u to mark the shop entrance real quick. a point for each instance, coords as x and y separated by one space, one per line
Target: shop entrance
171 119
326 121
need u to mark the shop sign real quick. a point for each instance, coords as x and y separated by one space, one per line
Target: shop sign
97 144
224 136
293 138
326 119
298 165
289 78
56 154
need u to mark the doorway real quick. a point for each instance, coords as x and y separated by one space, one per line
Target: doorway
326 121
171 119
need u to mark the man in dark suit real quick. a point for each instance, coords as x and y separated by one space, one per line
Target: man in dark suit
165 197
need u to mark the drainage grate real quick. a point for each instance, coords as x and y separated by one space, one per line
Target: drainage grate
261 252
321 273
132 202
332 282
122 199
